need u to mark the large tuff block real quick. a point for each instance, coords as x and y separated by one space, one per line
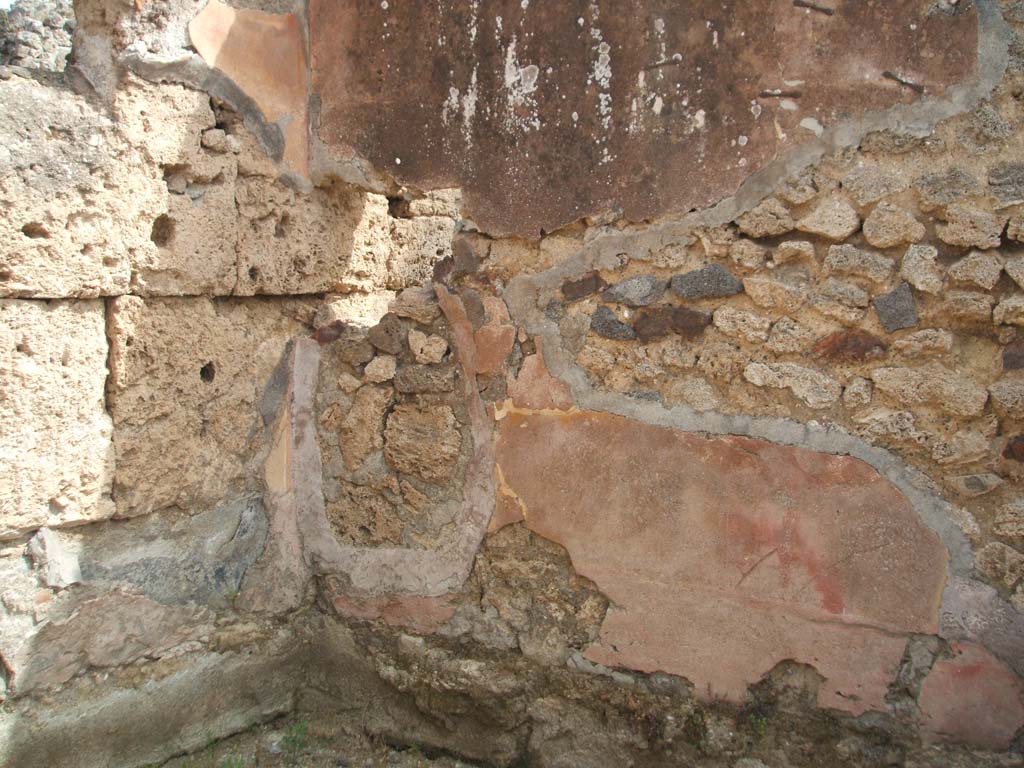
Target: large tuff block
56 456
186 380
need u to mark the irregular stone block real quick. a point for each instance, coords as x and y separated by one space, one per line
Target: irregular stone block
793 250
186 380
769 219
814 388
435 379
834 219
423 442
1006 180
56 456
965 306
636 291
748 254
730 549
931 341
974 485
849 260
787 336
742 325
1013 356
889 225
710 282
604 323
1010 311
657 322
851 345
979 268
970 227
934 384
1008 397
897 309
417 244
589 284
417 303
429 350
937 189
920 268
786 293
844 293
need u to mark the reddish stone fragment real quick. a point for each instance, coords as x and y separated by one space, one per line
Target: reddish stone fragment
493 345
1015 448
536 389
656 322
424 615
973 698
589 284
725 556
850 346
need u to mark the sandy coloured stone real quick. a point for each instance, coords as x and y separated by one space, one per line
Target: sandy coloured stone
857 393
1006 180
889 225
427 350
788 336
1000 564
979 268
964 447
974 485
769 219
417 303
423 441
850 260
1014 267
694 392
186 379
813 388
1010 311
1008 396
793 250
362 429
1009 521
741 551
710 282
748 254
845 293
930 341
429 379
382 368
945 187
970 227
417 244
786 293
742 325
56 455
965 306
972 698
869 184
932 384
920 268
834 218
389 335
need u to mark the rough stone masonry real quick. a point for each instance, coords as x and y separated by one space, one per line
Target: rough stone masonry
556 384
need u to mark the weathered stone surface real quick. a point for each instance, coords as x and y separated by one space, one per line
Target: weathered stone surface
851 345
889 225
786 293
929 342
935 384
1014 267
185 385
943 188
972 698
770 218
1013 356
858 392
389 335
428 350
869 184
382 368
793 250
417 244
844 293
920 268
1008 396
605 323
1000 564
748 254
417 303
964 447
494 343
979 268
1010 311
423 441
636 291
657 322
965 306
56 455
974 485
724 556
362 429
1006 180
544 80
897 309
834 219
787 336
589 284
742 325
849 260
814 388
535 388
431 379
710 282
970 227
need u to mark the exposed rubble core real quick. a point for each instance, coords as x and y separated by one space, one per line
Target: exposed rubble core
691 440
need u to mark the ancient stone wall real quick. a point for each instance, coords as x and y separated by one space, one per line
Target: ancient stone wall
720 461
